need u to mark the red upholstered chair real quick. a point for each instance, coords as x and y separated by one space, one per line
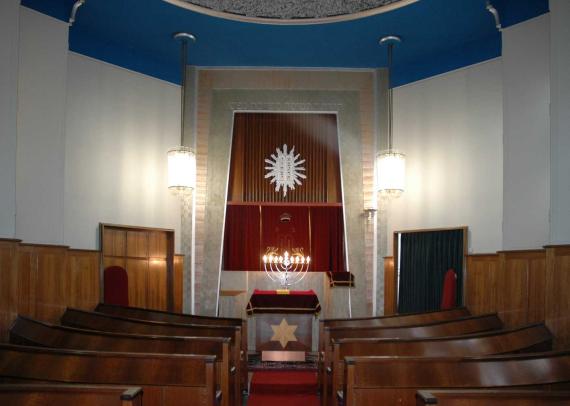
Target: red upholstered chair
449 290
116 286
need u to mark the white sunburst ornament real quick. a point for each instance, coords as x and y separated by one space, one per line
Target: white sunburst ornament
285 170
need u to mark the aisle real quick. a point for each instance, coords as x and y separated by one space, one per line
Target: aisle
283 388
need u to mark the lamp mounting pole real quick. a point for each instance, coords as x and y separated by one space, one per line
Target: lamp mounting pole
184 38
390 41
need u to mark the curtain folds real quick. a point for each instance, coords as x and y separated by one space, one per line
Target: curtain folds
251 229
425 258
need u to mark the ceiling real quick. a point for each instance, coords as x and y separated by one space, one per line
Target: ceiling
438 36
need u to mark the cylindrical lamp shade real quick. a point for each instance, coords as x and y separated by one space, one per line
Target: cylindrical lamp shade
391 173
181 169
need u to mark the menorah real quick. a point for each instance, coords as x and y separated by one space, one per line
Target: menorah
286 269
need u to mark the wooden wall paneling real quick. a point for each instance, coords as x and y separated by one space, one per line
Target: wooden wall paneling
520 287
156 285
512 289
557 297
114 261
52 282
137 272
157 244
147 254
537 288
84 282
178 284
27 275
481 283
137 244
114 242
390 288
8 285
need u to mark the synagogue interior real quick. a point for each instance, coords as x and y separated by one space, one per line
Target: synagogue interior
300 203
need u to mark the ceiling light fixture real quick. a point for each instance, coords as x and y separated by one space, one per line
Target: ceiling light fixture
182 159
390 164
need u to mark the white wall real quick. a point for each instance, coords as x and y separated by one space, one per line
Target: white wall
9 33
119 126
40 158
560 121
450 128
526 124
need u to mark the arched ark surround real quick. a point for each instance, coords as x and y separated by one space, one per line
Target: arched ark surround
224 103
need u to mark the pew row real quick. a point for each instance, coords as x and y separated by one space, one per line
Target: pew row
103 322
25 331
169 317
454 327
407 319
490 397
167 380
69 395
394 380
532 338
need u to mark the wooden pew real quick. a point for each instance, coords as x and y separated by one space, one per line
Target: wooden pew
371 381
491 397
532 338
25 331
69 395
454 327
103 322
407 319
169 317
167 380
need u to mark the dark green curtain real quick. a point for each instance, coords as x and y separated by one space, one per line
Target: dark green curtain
425 257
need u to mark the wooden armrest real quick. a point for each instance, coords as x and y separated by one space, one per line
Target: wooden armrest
426 397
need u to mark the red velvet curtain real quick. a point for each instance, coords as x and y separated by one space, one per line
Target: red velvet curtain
327 239
283 234
241 239
249 231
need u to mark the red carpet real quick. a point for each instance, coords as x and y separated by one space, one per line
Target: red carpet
283 388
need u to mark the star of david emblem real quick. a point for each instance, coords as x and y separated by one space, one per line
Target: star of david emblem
284 333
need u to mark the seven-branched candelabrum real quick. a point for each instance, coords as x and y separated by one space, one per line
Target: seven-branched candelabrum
286 269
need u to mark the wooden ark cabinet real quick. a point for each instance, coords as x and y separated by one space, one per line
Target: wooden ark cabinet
147 254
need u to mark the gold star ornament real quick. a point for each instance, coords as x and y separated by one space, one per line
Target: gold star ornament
284 333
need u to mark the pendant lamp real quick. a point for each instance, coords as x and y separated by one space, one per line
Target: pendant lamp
182 159
390 164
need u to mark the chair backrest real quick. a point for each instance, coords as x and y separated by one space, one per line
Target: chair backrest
448 296
116 286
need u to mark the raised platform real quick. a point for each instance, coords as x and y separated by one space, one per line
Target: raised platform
283 356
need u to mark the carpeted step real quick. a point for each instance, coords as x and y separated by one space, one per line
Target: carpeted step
283 400
284 383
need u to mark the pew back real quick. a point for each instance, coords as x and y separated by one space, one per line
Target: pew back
167 380
394 380
534 337
492 397
409 319
461 326
102 322
170 317
26 331
69 395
